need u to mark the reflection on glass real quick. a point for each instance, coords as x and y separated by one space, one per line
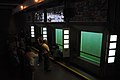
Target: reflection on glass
59 38
91 43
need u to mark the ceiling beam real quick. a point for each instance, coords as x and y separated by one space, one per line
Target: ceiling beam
8 4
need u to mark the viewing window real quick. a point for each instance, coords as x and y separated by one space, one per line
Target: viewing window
90 46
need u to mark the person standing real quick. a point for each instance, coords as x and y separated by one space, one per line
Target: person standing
39 41
29 63
46 53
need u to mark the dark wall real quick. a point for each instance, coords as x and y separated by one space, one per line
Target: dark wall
6 22
74 43
113 16
116 27
20 21
4 25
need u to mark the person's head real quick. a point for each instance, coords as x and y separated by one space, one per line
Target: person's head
40 39
45 41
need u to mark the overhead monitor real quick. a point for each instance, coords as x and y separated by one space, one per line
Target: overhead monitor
55 14
39 16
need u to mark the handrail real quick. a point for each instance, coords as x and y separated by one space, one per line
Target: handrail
89 54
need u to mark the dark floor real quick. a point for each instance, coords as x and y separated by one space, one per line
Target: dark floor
57 73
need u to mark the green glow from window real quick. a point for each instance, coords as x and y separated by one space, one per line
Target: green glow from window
91 43
59 37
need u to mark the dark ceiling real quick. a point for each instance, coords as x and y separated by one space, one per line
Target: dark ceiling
10 4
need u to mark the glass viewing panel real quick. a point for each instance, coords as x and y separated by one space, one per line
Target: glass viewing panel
59 38
90 46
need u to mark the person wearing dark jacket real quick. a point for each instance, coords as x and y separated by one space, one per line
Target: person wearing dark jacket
39 42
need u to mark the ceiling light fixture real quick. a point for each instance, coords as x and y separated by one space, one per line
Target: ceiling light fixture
38 1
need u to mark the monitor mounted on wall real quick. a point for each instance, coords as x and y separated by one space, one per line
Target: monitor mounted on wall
55 14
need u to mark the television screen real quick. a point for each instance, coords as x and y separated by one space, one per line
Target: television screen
90 46
55 14
59 38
